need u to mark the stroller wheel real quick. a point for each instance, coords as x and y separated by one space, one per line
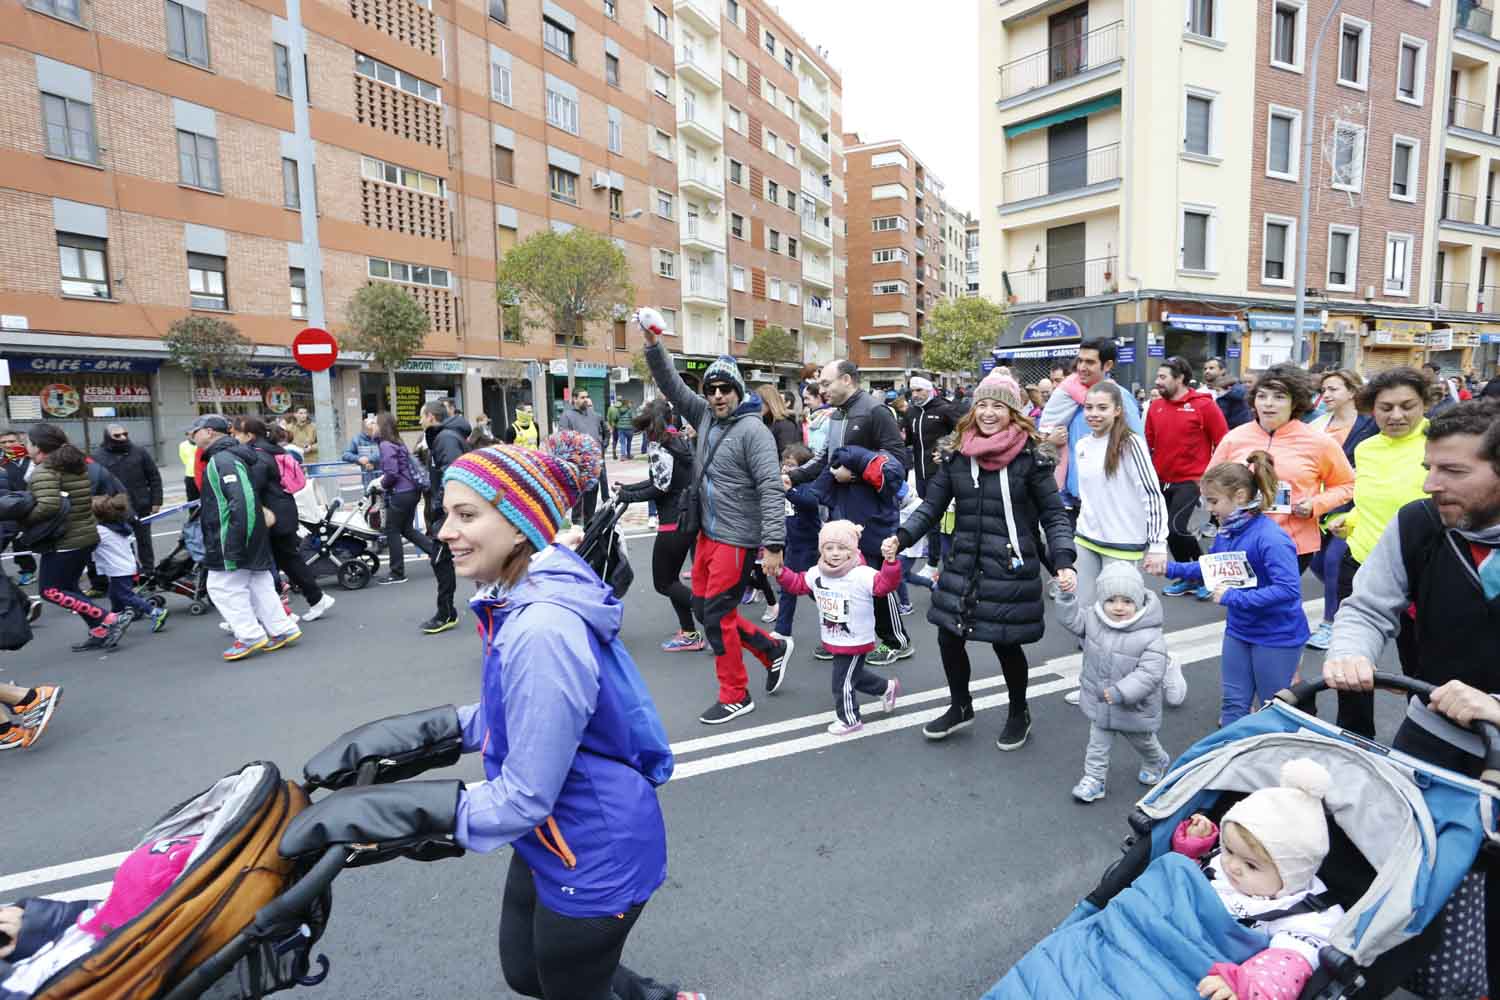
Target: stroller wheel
372 560
157 601
197 608
354 575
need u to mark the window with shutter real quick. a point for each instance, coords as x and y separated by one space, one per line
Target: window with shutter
1195 241
1199 122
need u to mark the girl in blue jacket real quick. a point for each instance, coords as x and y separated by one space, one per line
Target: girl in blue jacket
572 745
1265 628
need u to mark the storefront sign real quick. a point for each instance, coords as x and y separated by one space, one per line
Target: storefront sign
409 407
987 365
1232 351
1282 322
25 407
1063 351
227 394
590 369
558 366
60 365
278 398
116 394
1126 356
1407 326
1194 323
1156 350
1051 328
59 400
433 366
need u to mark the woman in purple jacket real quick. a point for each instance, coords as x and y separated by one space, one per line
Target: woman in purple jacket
572 745
402 494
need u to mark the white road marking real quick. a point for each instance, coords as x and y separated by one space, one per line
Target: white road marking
1189 645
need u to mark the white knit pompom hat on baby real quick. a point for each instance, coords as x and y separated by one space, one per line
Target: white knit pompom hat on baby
1289 822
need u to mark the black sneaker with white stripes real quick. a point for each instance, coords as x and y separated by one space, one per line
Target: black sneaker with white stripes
777 672
721 712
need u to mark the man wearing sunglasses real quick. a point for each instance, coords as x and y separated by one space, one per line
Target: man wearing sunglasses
134 467
740 508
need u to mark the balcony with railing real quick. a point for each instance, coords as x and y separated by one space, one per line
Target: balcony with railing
698 123
1075 280
698 66
1062 61
1489 298
813 97
817 186
1078 172
699 177
696 231
815 146
921 244
1478 20
1465 114
1458 207
816 229
1451 295
703 287
820 271
700 11
817 315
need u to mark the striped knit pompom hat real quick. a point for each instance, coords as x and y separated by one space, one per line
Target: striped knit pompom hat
533 489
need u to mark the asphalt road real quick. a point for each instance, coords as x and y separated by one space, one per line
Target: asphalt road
800 864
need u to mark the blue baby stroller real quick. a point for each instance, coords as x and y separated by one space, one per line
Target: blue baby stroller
1403 835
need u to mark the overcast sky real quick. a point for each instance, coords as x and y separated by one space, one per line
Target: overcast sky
910 72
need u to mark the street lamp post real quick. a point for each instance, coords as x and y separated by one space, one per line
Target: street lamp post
1309 112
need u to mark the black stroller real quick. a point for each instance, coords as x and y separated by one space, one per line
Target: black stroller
181 572
345 548
604 550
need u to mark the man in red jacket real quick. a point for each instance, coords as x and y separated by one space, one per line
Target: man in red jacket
1182 429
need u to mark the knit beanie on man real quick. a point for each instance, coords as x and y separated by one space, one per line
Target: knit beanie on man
533 489
1000 386
1289 822
724 369
1120 579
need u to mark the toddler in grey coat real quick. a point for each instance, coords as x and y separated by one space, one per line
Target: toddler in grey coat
1124 667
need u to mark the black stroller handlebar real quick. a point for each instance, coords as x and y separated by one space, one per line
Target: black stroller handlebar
279 912
1302 694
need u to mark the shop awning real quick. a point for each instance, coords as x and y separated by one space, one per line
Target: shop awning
1063 351
1065 115
1203 324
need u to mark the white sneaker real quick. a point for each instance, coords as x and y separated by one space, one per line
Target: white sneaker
772 611
652 523
1174 685
1072 696
316 611
892 692
225 626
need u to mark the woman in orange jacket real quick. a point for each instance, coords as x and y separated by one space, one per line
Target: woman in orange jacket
1315 476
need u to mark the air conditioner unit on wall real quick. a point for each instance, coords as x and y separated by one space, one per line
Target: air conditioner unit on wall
601 180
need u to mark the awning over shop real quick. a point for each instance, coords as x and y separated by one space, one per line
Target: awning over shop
1203 324
1065 115
1283 322
1056 351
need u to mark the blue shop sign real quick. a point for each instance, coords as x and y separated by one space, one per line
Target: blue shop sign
1051 328
1156 350
1126 356
987 365
51 364
1232 350
1283 322
1203 324
276 373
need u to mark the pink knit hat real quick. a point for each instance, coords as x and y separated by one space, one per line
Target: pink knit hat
846 532
1000 386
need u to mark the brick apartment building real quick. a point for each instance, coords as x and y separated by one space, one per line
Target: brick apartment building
261 161
897 249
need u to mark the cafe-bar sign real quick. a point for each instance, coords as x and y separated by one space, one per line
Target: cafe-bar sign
1051 328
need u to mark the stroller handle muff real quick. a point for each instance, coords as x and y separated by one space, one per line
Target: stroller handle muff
1301 695
281 912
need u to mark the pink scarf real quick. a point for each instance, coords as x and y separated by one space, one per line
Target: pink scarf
994 451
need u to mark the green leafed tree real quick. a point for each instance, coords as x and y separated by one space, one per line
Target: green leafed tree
771 346
566 282
208 345
386 323
959 331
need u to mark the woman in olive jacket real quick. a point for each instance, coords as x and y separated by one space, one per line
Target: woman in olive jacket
61 470
990 589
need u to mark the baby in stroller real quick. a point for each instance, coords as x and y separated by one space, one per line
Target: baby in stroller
1263 865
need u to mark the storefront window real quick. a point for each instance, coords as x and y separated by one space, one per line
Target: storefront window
82 403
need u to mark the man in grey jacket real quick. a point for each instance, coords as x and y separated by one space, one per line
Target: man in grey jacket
741 508
583 418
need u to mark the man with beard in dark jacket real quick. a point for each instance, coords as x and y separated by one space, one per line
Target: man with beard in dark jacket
859 421
929 419
447 439
237 542
1228 392
134 467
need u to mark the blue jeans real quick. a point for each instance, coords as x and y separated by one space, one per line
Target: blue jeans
911 576
622 441
786 612
1327 565
1251 672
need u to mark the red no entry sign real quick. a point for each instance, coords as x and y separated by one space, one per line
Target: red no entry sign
315 349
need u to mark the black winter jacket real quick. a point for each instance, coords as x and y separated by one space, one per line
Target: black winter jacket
445 443
235 533
273 495
672 466
925 426
980 595
136 469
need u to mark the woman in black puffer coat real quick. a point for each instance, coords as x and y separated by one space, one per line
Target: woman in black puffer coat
286 542
990 589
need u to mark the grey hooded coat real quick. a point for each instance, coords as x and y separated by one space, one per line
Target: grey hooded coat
1128 659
